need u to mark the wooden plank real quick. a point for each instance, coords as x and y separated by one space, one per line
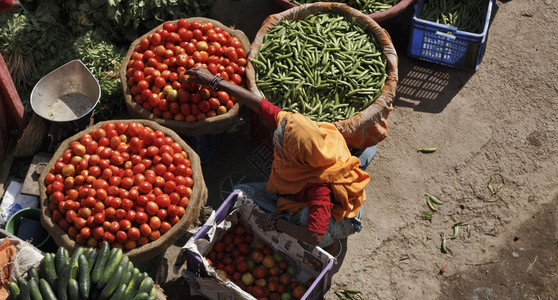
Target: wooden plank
38 165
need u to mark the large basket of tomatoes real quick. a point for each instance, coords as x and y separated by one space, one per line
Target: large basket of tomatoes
132 183
156 88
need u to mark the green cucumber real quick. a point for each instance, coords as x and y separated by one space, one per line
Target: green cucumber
110 267
48 269
13 288
91 257
34 289
134 284
84 278
141 296
100 261
111 286
62 282
145 286
33 273
124 262
73 289
129 273
75 256
119 293
46 290
153 294
24 292
62 256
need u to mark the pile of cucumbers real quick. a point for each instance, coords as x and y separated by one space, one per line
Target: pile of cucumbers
89 273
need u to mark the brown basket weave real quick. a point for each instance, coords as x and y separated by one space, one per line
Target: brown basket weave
369 126
377 16
148 251
213 125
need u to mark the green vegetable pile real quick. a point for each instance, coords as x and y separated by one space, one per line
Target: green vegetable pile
103 60
365 6
326 67
467 16
45 34
88 273
30 46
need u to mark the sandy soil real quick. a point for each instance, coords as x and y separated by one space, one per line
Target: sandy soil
495 125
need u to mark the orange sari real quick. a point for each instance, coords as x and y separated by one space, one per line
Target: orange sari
316 152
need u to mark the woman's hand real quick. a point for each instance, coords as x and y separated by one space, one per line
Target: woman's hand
266 223
262 220
201 76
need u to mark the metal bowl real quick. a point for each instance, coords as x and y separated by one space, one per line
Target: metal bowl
67 95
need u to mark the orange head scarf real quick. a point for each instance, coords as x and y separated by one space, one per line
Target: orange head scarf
316 152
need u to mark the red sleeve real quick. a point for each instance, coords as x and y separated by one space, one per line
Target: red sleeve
5 4
318 196
268 112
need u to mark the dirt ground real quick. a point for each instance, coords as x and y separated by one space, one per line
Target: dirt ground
497 125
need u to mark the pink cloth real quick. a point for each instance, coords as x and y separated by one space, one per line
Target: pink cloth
12 113
5 4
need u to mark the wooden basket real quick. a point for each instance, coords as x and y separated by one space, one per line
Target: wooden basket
213 125
148 251
369 126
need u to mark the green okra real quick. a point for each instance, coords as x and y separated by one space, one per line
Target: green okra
427 150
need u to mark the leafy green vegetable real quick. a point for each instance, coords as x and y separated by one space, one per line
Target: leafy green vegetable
31 48
103 59
125 20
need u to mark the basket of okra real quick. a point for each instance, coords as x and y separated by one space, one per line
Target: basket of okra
331 63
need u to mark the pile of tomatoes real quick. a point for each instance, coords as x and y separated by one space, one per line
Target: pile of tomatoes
255 267
123 183
155 71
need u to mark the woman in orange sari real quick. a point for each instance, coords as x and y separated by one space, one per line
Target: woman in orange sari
316 188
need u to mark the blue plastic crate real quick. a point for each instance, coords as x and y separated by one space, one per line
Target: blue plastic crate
446 45
317 290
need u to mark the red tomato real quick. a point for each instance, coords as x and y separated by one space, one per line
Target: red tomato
98 232
145 229
155 235
121 236
109 237
151 208
131 215
155 38
120 214
165 226
155 222
114 226
99 218
134 233
110 213
162 201
141 217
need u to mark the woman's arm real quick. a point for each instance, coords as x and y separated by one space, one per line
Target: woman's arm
282 225
298 232
244 96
